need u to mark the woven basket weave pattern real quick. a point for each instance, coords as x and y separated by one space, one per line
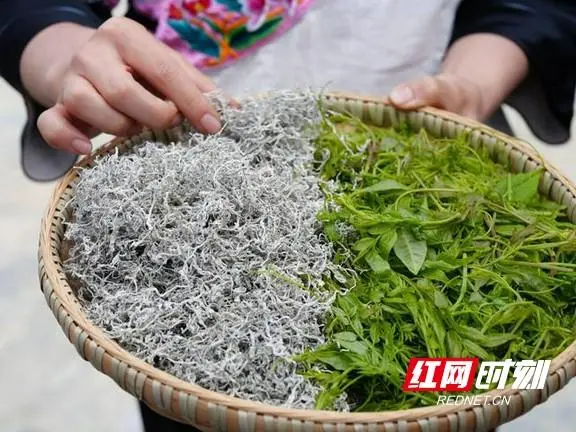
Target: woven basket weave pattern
208 410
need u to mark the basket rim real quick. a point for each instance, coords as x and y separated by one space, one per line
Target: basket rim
52 274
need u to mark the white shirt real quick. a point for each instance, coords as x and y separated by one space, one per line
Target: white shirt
361 46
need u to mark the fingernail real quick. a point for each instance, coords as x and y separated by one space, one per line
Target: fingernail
177 120
210 124
233 103
81 146
402 95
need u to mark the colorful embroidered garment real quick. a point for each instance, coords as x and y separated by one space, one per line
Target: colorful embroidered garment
213 33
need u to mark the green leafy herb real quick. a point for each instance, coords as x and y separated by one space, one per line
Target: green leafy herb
384 186
520 188
450 256
410 251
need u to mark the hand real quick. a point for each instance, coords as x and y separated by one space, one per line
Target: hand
449 92
120 80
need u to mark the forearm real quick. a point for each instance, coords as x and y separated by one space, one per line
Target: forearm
21 21
46 58
491 62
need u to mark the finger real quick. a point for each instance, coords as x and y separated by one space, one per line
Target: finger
85 128
426 91
118 88
177 84
82 101
56 128
234 103
205 84
204 88
168 72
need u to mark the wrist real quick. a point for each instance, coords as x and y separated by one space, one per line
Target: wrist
488 66
471 96
47 57
53 83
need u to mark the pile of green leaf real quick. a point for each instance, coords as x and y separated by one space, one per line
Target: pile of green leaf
449 256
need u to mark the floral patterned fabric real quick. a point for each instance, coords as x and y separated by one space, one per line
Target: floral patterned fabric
212 33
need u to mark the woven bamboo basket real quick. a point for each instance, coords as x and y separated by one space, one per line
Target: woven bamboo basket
190 404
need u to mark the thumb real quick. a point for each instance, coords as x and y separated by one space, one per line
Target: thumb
422 92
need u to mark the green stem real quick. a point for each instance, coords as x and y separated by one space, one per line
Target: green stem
463 286
424 190
500 279
541 246
547 266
